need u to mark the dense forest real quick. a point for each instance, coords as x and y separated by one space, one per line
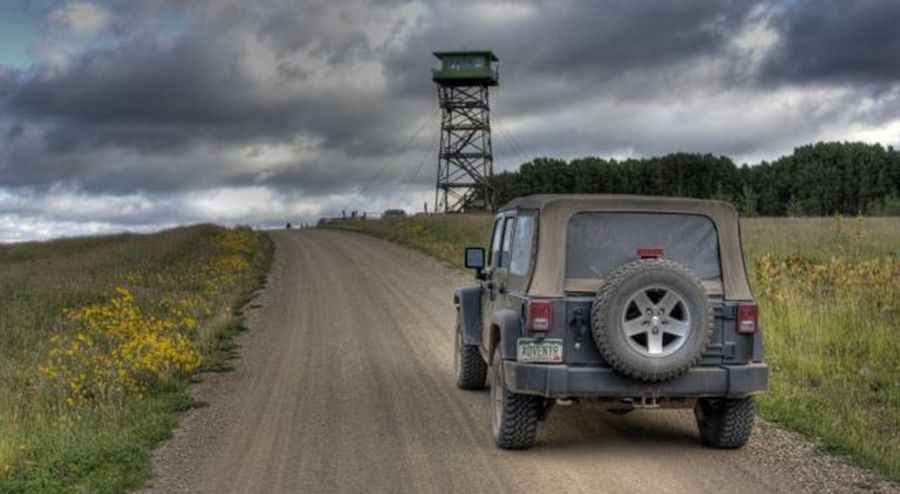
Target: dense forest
820 179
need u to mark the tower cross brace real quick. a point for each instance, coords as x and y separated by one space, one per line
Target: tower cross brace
465 158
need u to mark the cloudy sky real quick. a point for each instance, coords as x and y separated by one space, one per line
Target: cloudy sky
140 114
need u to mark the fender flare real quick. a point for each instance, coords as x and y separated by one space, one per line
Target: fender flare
468 313
506 327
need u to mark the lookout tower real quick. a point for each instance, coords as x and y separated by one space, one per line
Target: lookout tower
465 158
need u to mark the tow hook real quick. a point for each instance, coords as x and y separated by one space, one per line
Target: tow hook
647 400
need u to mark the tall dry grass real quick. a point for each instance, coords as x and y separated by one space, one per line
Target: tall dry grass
829 296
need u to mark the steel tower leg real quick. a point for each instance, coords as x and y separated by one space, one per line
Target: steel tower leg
465 157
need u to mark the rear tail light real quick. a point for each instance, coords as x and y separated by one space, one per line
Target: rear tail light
747 318
540 315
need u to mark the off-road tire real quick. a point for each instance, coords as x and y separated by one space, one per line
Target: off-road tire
471 369
725 424
514 417
608 307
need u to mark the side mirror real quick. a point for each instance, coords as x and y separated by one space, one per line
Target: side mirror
475 260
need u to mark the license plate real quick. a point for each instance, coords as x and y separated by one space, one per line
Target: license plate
540 350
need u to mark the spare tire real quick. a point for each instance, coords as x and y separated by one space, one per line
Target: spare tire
652 320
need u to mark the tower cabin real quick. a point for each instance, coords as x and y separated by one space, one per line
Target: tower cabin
467 68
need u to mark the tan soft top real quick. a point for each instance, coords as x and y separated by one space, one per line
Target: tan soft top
556 211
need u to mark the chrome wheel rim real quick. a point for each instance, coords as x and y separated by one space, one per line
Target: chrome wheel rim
656 321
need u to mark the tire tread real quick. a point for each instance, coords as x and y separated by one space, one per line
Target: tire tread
520 414
727 424
519 422
473 369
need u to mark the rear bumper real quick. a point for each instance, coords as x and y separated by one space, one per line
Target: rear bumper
557 381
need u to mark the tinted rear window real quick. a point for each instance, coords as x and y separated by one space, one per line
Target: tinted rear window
597 243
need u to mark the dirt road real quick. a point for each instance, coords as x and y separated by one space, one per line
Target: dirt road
345 385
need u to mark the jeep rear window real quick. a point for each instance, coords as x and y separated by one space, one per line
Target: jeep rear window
598 243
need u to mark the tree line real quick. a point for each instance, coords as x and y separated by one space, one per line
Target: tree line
819 179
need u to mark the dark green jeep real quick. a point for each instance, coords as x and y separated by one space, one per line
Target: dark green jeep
626 301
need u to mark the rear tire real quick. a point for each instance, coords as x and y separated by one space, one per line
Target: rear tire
515 417
723 423
470 368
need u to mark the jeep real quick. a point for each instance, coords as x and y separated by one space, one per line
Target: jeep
619 301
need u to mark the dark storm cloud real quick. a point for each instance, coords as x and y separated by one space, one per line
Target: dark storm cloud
167 100
344 85
164 99
835 41
159 99
574 45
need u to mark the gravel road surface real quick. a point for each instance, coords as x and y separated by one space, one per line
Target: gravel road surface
345 384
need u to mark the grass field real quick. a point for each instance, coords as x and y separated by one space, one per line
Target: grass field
829 295
99 338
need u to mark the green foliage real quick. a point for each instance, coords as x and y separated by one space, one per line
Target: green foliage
887 206
843 386
49 444
794 209
816 180
748 202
